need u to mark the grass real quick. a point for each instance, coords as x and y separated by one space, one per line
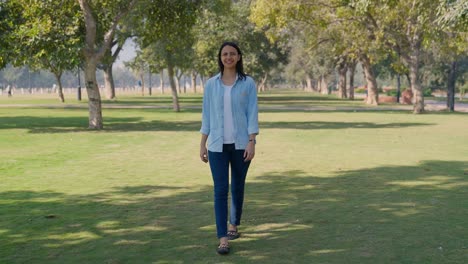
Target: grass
325 186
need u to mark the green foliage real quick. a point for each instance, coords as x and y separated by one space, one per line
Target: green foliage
212 27
360 90
10 17
49 35
427 92
453 14
164 32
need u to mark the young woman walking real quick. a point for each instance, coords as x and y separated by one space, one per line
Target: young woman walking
229 126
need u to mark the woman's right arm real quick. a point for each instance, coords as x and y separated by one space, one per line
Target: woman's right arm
205 127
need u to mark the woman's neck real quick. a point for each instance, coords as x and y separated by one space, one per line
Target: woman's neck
229 73
229 76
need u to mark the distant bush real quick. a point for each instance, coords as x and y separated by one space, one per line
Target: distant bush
427 92
391 92
360 90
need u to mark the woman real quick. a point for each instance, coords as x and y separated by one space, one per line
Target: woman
230 125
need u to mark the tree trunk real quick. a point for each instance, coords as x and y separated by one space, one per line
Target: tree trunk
175 98
414 37
398 88
177 84
262 85
418 97
324 84
58 77
93 52
142 78
352 70
109 85
94 97
309 83
342 70
161 80
193 76
451 78
178 75
372 93
319 84
150 85
202 83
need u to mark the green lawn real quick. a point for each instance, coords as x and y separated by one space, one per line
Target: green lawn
328 186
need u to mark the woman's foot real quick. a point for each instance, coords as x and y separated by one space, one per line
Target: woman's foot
233 233
223 247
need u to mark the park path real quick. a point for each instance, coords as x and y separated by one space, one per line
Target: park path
430 105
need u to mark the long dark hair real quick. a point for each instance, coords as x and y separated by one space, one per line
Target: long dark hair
239 65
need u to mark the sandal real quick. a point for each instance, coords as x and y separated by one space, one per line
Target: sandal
233 234
223 249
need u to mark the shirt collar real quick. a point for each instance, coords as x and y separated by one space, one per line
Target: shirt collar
218 76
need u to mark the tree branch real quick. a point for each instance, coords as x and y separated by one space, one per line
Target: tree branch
90 24
109 35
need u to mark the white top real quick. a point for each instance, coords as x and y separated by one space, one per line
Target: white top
228 137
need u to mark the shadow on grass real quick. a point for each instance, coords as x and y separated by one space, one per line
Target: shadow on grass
394 214
154 100
126 124
77 124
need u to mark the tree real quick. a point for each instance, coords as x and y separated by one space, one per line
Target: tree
99 36
209 30
452 46
10 17
404 26
123 33
138 65
329 26
48 37
453 14
11 74
164 33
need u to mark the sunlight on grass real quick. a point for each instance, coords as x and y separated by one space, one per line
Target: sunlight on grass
325 251
252 255
123 231
439 182
131 242
281 227
305 187
71 238
404 209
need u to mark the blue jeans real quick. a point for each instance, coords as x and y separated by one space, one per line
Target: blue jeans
219 164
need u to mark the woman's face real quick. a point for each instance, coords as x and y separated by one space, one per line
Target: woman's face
229 57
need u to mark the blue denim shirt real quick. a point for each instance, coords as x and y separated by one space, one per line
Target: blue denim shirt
244 112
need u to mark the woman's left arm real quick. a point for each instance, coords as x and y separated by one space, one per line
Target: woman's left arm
252 110
252 122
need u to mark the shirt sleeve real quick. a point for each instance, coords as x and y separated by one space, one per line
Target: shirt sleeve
252 111
205 127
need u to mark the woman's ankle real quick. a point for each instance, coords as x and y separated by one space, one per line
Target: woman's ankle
224 240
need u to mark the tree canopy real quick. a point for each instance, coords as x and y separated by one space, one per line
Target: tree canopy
311 44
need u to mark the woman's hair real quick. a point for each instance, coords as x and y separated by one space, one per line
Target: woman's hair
239 65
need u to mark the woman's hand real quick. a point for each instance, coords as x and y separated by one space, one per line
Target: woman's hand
249 152
203 154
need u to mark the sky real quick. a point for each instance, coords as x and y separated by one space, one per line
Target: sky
126 54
